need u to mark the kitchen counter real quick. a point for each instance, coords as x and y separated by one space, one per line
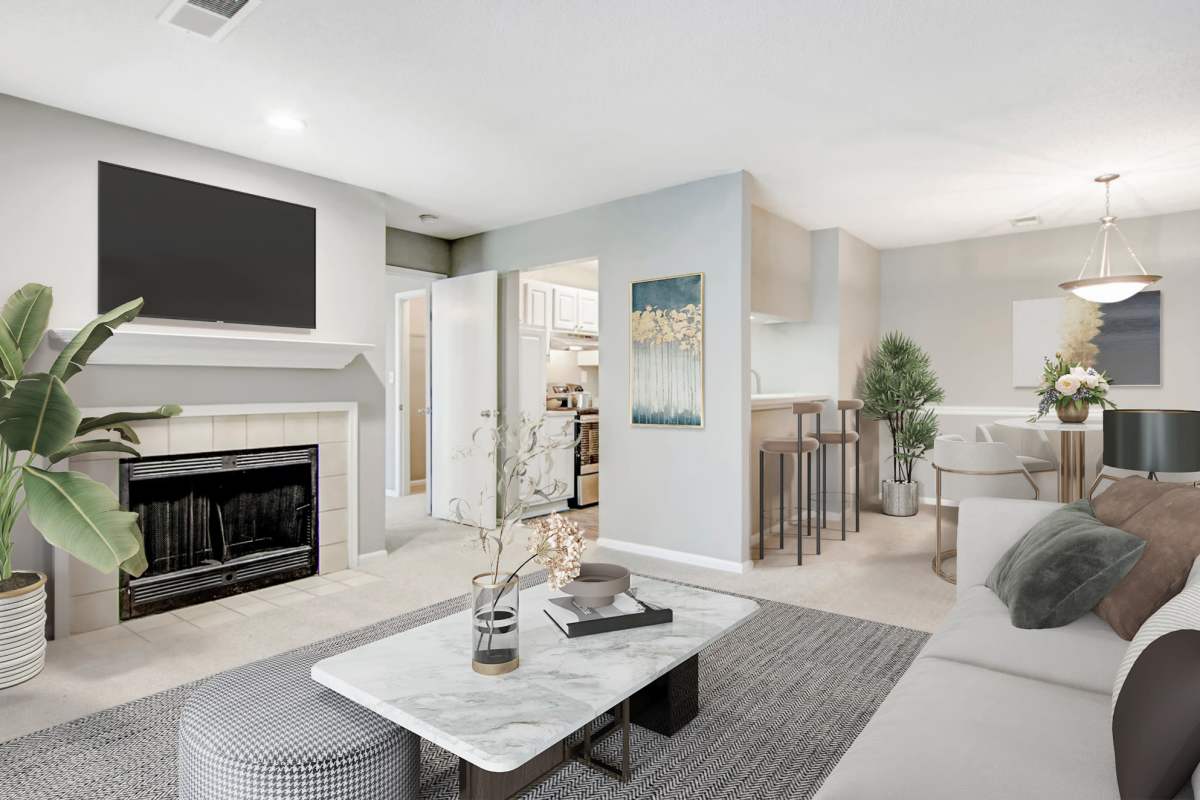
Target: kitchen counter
768 402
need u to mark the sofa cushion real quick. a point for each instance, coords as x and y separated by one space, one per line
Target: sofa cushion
950 731
1084 654
1062 567
1167 516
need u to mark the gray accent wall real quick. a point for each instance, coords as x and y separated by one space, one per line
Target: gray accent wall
679 489
414 250
48 229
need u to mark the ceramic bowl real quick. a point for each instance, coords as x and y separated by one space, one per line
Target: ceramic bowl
598 584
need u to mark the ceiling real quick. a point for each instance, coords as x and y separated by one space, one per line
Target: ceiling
902 122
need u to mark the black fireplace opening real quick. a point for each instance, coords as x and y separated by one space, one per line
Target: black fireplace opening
217 524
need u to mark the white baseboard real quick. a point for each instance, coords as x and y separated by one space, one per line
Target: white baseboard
708 562
373 554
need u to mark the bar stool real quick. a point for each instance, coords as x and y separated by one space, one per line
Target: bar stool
842 438
800 445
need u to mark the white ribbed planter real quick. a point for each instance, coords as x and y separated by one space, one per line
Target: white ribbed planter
22 632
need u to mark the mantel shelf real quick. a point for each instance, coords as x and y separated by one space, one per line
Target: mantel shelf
142 347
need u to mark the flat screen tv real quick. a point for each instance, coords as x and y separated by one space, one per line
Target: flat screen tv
198 252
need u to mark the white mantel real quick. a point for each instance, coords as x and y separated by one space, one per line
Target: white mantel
149 347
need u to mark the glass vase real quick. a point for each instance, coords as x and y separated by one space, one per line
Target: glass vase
495 611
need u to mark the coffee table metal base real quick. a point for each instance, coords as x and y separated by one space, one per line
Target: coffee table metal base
665 706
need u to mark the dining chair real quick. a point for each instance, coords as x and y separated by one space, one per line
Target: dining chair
954 455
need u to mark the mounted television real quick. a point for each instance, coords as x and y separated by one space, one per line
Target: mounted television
199 252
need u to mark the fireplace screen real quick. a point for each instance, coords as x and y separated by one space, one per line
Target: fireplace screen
216 524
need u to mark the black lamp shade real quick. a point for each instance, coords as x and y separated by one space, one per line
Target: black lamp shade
1146 440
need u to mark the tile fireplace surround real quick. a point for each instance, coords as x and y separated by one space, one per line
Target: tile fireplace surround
87 600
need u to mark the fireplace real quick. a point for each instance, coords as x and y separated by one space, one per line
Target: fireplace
216 524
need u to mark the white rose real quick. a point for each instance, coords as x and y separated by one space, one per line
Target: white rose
1067 385
1079 373
1091 380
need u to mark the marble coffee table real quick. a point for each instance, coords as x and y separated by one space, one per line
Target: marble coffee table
510 731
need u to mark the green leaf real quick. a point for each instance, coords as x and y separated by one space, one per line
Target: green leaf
136 564
12 362
116 422
75 355
38 416
82 517
25 314
93 446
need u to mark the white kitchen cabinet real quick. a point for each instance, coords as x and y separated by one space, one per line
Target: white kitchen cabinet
566 308
588 307
535 304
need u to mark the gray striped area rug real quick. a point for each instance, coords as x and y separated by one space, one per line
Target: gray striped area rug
781 699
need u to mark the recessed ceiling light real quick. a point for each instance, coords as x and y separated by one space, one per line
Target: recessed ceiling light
287 123
428 219
1025 222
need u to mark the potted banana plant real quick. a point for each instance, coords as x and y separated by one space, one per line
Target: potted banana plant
40 426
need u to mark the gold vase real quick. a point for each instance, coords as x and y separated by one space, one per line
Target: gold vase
1074 411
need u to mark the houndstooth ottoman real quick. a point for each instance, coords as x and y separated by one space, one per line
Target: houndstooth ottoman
267 731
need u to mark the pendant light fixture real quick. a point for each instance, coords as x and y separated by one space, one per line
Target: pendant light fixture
1106 287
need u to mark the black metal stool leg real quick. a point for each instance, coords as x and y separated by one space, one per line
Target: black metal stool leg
762 505
842 476
782 484
808 512
857 471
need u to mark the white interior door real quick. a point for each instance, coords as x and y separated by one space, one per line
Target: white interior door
463 381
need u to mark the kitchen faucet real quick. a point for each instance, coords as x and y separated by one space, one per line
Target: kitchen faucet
757 381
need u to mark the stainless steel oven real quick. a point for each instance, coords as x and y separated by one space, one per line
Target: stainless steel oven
587 459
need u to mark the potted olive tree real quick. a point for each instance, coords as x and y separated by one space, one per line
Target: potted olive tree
898 384
39 427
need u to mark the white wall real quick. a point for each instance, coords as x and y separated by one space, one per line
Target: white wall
48 166
683 490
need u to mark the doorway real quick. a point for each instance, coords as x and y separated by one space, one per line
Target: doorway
407 418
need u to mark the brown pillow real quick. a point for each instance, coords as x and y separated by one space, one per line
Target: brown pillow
1167 516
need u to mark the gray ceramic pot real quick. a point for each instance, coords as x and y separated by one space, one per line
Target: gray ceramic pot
598 584
901 499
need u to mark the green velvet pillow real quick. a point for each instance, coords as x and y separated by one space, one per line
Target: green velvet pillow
1063 567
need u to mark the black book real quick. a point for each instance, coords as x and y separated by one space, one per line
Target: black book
625 612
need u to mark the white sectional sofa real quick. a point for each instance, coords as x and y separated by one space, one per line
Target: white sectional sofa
988 710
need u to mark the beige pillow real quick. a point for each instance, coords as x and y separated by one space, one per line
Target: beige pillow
1167 516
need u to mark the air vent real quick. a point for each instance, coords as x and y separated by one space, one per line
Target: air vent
212 19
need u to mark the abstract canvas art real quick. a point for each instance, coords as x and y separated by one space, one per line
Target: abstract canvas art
666 351
1123 339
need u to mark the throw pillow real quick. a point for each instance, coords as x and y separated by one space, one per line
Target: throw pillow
1167 517
1156 700
1060 569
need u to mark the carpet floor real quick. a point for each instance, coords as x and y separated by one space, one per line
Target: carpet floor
781 699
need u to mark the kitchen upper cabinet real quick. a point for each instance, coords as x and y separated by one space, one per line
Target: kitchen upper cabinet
535 304
566 308
589 311
780 269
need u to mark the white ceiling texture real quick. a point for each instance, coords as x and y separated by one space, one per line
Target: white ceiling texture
903 122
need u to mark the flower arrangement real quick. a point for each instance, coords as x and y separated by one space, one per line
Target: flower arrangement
1064 385
522 452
